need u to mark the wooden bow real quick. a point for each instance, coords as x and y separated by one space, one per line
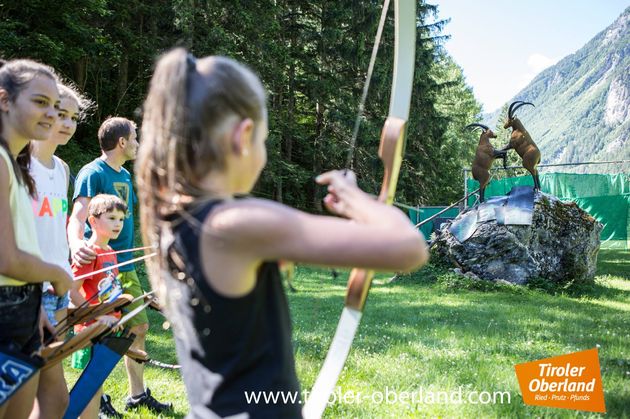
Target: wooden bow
391 149
87 313
56 351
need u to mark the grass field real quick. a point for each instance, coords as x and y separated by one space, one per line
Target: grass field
437 332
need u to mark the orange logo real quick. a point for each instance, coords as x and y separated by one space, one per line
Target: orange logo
571 381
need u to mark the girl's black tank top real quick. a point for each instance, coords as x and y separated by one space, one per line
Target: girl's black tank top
236 353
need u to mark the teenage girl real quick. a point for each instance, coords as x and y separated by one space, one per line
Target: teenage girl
28 96
203 144
50 207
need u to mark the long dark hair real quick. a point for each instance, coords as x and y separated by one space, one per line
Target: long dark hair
14 76
185 117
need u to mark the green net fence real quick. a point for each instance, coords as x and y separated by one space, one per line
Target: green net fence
605 196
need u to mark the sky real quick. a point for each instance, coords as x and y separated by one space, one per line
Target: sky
502 44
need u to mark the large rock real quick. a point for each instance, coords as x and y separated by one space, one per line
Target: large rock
560 246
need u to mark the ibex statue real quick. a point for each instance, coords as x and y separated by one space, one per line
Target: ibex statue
484 156
522 142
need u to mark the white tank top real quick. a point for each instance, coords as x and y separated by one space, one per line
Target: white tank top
21 217
51 212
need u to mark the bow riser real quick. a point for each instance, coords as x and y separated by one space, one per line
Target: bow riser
358 286
390 151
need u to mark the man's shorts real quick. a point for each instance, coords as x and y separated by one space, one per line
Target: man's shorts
19 318
131 285
52 303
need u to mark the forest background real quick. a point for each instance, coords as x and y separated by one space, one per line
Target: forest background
311 56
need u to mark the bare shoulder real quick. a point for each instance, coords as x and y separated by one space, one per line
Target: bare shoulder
250 219
237 237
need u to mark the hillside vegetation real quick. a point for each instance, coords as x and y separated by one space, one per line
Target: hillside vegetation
582 103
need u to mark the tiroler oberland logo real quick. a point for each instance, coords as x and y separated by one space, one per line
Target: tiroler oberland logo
571 381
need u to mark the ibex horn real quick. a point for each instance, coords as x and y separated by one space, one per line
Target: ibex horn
510 111
483 127
521 104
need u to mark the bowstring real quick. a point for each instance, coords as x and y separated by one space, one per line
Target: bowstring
366 86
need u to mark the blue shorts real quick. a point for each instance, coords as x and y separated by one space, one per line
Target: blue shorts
52 303
19 318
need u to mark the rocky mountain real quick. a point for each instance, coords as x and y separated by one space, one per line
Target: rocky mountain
582 103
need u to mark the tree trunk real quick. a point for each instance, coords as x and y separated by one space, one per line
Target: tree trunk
123 77
80 70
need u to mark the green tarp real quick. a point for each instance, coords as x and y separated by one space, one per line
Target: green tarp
605 197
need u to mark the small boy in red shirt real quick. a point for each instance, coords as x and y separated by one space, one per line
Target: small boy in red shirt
106 214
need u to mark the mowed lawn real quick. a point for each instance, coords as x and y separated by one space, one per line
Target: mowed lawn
433 332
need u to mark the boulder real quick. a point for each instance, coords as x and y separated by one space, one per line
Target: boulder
560 246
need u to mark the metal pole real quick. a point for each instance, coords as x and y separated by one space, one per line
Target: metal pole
405 206
561 164
423 222
465 187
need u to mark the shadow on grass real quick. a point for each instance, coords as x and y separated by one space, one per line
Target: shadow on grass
492 319
614 262
468 315
612 265
598 291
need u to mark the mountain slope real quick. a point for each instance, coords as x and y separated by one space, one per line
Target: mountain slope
582 103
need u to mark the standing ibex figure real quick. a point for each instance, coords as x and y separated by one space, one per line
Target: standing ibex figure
484 156
522 142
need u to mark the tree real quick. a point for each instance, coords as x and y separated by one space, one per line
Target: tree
312 58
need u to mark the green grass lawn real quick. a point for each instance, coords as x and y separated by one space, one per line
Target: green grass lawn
436 332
